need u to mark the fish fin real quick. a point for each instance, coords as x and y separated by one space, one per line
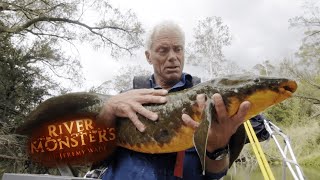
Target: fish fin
200 136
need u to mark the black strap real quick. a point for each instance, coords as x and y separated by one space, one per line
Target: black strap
140 82
196 80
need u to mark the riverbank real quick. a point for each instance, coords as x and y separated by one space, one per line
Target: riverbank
240 172
305 141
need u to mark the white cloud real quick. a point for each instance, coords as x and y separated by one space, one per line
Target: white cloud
260 29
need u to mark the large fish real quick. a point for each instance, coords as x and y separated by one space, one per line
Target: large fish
168 133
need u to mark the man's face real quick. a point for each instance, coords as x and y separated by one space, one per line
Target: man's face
167 56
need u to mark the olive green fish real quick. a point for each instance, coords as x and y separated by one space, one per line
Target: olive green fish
168 133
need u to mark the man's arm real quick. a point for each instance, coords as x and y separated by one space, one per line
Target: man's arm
129 103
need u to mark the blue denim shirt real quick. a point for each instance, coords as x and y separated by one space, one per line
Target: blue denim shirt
126 164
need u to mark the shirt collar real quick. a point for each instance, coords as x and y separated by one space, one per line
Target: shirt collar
181 83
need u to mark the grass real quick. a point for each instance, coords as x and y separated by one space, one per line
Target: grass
311 160
304 139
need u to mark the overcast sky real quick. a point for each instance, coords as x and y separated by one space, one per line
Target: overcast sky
259 28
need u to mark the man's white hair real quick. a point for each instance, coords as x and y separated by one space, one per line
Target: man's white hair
164 25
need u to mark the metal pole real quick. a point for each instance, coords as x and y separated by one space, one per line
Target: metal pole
274 130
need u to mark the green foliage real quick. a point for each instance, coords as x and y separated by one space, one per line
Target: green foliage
210 35
21 89
298 117
313 161
17 85
32 64
303 140
290 112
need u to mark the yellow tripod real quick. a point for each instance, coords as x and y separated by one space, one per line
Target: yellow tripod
263 163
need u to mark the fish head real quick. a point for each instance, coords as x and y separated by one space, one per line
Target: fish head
262 92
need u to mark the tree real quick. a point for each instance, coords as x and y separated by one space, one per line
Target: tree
210 35
33 31
308 68
17 87
38 19
43 27
265 68
32 34
122 81
309 51
19 94
309 80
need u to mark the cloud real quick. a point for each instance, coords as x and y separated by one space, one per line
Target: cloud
260 29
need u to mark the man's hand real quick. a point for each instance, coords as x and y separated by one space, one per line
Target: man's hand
129 103
221 130
224 127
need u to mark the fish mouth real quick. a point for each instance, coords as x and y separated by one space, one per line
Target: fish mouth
288 87
265 98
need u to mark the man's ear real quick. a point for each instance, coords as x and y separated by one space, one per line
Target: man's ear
147 53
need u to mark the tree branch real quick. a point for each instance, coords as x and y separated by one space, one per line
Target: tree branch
314 84
46 34
56 19
316 101
313 33
12 111
12 157
315 115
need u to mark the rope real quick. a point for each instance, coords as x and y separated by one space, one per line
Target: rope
262 161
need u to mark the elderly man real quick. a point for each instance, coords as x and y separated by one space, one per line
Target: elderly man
165 52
